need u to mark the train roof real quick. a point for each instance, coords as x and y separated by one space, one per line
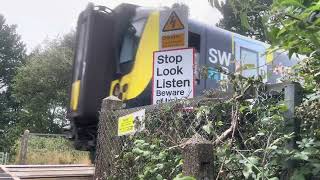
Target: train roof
210 27
195 24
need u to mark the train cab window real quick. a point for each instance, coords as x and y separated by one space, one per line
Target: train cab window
131 40
249 62
130 44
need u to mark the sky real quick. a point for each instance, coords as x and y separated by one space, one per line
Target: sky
40 20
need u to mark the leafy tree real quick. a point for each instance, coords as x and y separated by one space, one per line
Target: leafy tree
42 85
12 52
245 17
295 26
12 56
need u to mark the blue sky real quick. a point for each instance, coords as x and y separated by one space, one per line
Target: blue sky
39 20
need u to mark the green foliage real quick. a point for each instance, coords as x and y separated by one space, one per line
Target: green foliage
12 56
52 150
12 51
295 26
148 160
181 177
252 138
257 148
42 85
245 17
35 89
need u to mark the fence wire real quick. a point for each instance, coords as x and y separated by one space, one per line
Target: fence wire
173 123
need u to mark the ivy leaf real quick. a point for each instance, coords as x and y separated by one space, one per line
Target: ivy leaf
274 178
298 175
208 128
159 177
283 108
181 177
302 155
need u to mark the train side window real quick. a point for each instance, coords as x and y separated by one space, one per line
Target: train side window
194 42
249 62
80 50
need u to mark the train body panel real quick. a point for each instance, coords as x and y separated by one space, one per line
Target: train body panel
114 56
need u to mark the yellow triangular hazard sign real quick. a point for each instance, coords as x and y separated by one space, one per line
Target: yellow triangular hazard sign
173 23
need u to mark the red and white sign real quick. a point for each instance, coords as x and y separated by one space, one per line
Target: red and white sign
173 76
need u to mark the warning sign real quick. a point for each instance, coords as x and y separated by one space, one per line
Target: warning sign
173 29
131 123
175 40
173 75
173 23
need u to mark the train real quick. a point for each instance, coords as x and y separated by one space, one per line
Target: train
114 57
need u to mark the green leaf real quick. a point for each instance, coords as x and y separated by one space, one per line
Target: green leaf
283 108
244 20
302 155
220 123
298 175
208 128
181 177
274 178
282 30
292 3
159 177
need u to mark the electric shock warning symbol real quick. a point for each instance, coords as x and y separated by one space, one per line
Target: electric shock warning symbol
173 23
173 29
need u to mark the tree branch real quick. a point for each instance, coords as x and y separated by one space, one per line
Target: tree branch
231 129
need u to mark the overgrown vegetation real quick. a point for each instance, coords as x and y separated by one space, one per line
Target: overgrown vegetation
52 150
251 137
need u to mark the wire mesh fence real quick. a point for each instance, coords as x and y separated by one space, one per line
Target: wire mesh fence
173 124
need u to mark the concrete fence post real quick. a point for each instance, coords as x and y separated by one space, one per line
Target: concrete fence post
198 158
111 103
106 141
293 98
24 147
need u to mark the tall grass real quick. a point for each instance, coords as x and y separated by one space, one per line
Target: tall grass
52 150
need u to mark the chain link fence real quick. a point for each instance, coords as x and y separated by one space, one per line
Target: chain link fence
173 123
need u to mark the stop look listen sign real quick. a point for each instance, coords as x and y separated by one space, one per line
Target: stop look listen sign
173 76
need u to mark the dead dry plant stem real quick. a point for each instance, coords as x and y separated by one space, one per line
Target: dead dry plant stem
265 153
231 129
221 167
